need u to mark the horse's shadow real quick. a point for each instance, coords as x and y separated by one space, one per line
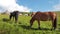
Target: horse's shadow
5 20
30 28
24 27
59 27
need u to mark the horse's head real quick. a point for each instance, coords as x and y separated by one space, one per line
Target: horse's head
31 21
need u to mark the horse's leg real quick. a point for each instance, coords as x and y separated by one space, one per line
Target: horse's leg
16 19
55 23
52 24
10 17
39 24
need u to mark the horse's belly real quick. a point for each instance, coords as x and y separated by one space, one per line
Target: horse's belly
44 18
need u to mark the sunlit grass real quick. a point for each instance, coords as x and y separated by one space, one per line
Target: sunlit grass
10 27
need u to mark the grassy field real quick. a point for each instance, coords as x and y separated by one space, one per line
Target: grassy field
10 27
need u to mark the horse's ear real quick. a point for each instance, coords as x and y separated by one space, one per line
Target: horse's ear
38 11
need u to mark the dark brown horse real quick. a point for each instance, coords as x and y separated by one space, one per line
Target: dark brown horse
44 16
14 15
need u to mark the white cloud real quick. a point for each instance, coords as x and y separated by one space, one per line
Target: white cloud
57 7
11 5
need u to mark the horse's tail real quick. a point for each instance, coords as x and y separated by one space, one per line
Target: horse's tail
55 23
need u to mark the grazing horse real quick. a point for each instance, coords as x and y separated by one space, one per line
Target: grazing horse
45 16
14 15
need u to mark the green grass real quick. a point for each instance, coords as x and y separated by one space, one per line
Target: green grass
10 27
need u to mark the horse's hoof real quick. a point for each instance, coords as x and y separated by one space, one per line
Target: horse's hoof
30 26
51 29
39 28
54 28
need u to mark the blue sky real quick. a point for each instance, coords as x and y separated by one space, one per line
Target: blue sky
29 5
38 5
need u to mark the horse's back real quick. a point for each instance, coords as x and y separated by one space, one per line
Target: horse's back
44 16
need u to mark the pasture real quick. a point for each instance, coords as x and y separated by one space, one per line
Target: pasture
22 27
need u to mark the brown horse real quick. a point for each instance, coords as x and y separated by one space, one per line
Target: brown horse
44 16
